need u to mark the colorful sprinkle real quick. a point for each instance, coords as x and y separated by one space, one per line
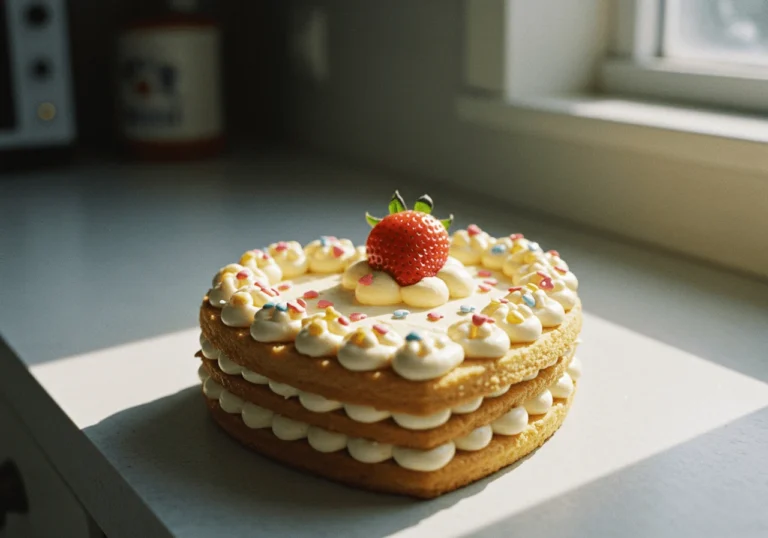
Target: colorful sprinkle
381 329
515 318
324 241
514 289
284 286
282 307
479 319
357 316
400 314
281 246
498 249
242 275
302 302
503 300
272 292
338 251
515 237
265 256
297 306
413 337
529 300
269 305
561 270
366 280
546 281
343 321
434 316
484 273
553 253
491 281
533 246
474 229
466 309
485 288
311 294
324 303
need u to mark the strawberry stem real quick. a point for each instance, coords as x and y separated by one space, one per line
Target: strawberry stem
397 204
447 222
424 204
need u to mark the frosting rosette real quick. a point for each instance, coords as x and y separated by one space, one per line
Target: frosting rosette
321 334
550 312
468 245
278 322
427 356
480 337
291 258
369 348
517 321
329 254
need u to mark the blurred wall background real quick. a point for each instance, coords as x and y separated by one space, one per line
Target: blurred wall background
251 54
390 100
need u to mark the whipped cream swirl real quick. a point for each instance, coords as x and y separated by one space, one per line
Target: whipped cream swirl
468 245
278 322
369 348
477 439
378 288
258 260
519 256
427 356
241 308
550 312
496 253
291 258
554 286
329 254
321 335
517 321
480 337
228 280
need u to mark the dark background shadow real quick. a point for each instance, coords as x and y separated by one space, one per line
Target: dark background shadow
211 483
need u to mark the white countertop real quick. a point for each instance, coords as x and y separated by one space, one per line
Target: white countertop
103 268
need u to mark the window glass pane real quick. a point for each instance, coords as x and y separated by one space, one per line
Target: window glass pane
732 31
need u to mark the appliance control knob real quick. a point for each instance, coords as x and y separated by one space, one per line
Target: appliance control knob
38 15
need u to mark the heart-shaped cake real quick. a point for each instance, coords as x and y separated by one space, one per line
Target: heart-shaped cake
415 365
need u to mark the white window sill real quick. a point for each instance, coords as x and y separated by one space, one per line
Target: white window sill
721 139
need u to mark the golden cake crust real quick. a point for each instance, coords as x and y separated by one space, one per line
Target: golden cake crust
465 468
388 431
384 389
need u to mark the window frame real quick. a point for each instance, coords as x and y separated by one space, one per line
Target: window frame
636 67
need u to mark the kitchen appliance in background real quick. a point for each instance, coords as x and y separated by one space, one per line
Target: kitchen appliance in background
169 83
36 105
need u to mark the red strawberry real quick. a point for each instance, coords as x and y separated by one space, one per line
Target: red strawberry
409 245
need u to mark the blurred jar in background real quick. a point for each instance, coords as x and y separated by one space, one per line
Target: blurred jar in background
169 84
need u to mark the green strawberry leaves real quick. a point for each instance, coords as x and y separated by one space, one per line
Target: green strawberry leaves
396 204
424 204
370 219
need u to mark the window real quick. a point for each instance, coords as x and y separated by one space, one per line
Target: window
724 31
712 52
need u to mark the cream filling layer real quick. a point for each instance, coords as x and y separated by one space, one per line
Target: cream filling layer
513 422
366 414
